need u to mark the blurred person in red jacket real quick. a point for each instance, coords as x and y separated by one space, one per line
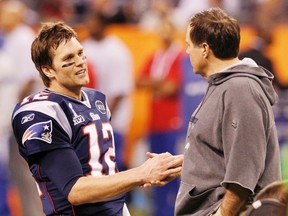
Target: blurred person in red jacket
162 76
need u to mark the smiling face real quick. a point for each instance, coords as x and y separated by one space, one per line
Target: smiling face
68 73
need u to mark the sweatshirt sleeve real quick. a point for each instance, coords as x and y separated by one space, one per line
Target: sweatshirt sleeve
245 125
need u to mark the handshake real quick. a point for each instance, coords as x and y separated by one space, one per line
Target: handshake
160 169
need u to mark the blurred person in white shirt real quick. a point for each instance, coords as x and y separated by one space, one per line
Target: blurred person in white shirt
7 88
17 40
113 64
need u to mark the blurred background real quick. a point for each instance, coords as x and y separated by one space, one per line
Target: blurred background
126 40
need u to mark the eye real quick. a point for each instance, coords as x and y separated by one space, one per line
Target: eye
68 58
81 53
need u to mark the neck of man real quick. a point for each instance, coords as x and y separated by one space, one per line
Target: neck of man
217 65
73 93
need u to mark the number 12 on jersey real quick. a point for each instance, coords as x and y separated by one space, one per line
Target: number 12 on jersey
95 149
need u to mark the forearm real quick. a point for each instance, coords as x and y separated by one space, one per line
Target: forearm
155 171
160 88
233 200
94 189
168 89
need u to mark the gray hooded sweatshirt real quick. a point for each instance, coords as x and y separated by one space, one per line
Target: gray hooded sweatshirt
231 138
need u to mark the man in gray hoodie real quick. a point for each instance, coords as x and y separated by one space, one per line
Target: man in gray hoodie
231 149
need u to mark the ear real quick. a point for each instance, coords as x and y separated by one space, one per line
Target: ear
49 72
206 50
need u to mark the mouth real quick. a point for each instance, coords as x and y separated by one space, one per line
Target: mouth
81 72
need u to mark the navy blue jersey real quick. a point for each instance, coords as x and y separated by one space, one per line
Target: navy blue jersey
62 139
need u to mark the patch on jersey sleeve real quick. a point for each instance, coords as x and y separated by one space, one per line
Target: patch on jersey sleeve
41 131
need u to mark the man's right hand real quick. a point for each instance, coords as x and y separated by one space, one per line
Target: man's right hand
160 169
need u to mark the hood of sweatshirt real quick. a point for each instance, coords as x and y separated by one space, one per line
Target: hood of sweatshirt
248 68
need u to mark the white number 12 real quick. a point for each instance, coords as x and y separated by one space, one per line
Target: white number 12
95 150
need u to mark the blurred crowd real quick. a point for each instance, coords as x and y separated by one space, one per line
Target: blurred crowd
164 80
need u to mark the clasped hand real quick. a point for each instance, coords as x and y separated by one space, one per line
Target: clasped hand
162 168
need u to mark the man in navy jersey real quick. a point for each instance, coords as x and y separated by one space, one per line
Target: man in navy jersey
64 134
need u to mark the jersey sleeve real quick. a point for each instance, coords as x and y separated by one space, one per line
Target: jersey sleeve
38 132
62 167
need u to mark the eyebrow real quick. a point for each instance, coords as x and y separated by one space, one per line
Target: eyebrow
71 55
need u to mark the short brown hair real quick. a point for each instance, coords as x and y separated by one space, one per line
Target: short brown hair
49 38
218 29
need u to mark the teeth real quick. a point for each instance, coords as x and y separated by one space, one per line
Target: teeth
80 72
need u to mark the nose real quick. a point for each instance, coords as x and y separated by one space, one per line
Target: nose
80 60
